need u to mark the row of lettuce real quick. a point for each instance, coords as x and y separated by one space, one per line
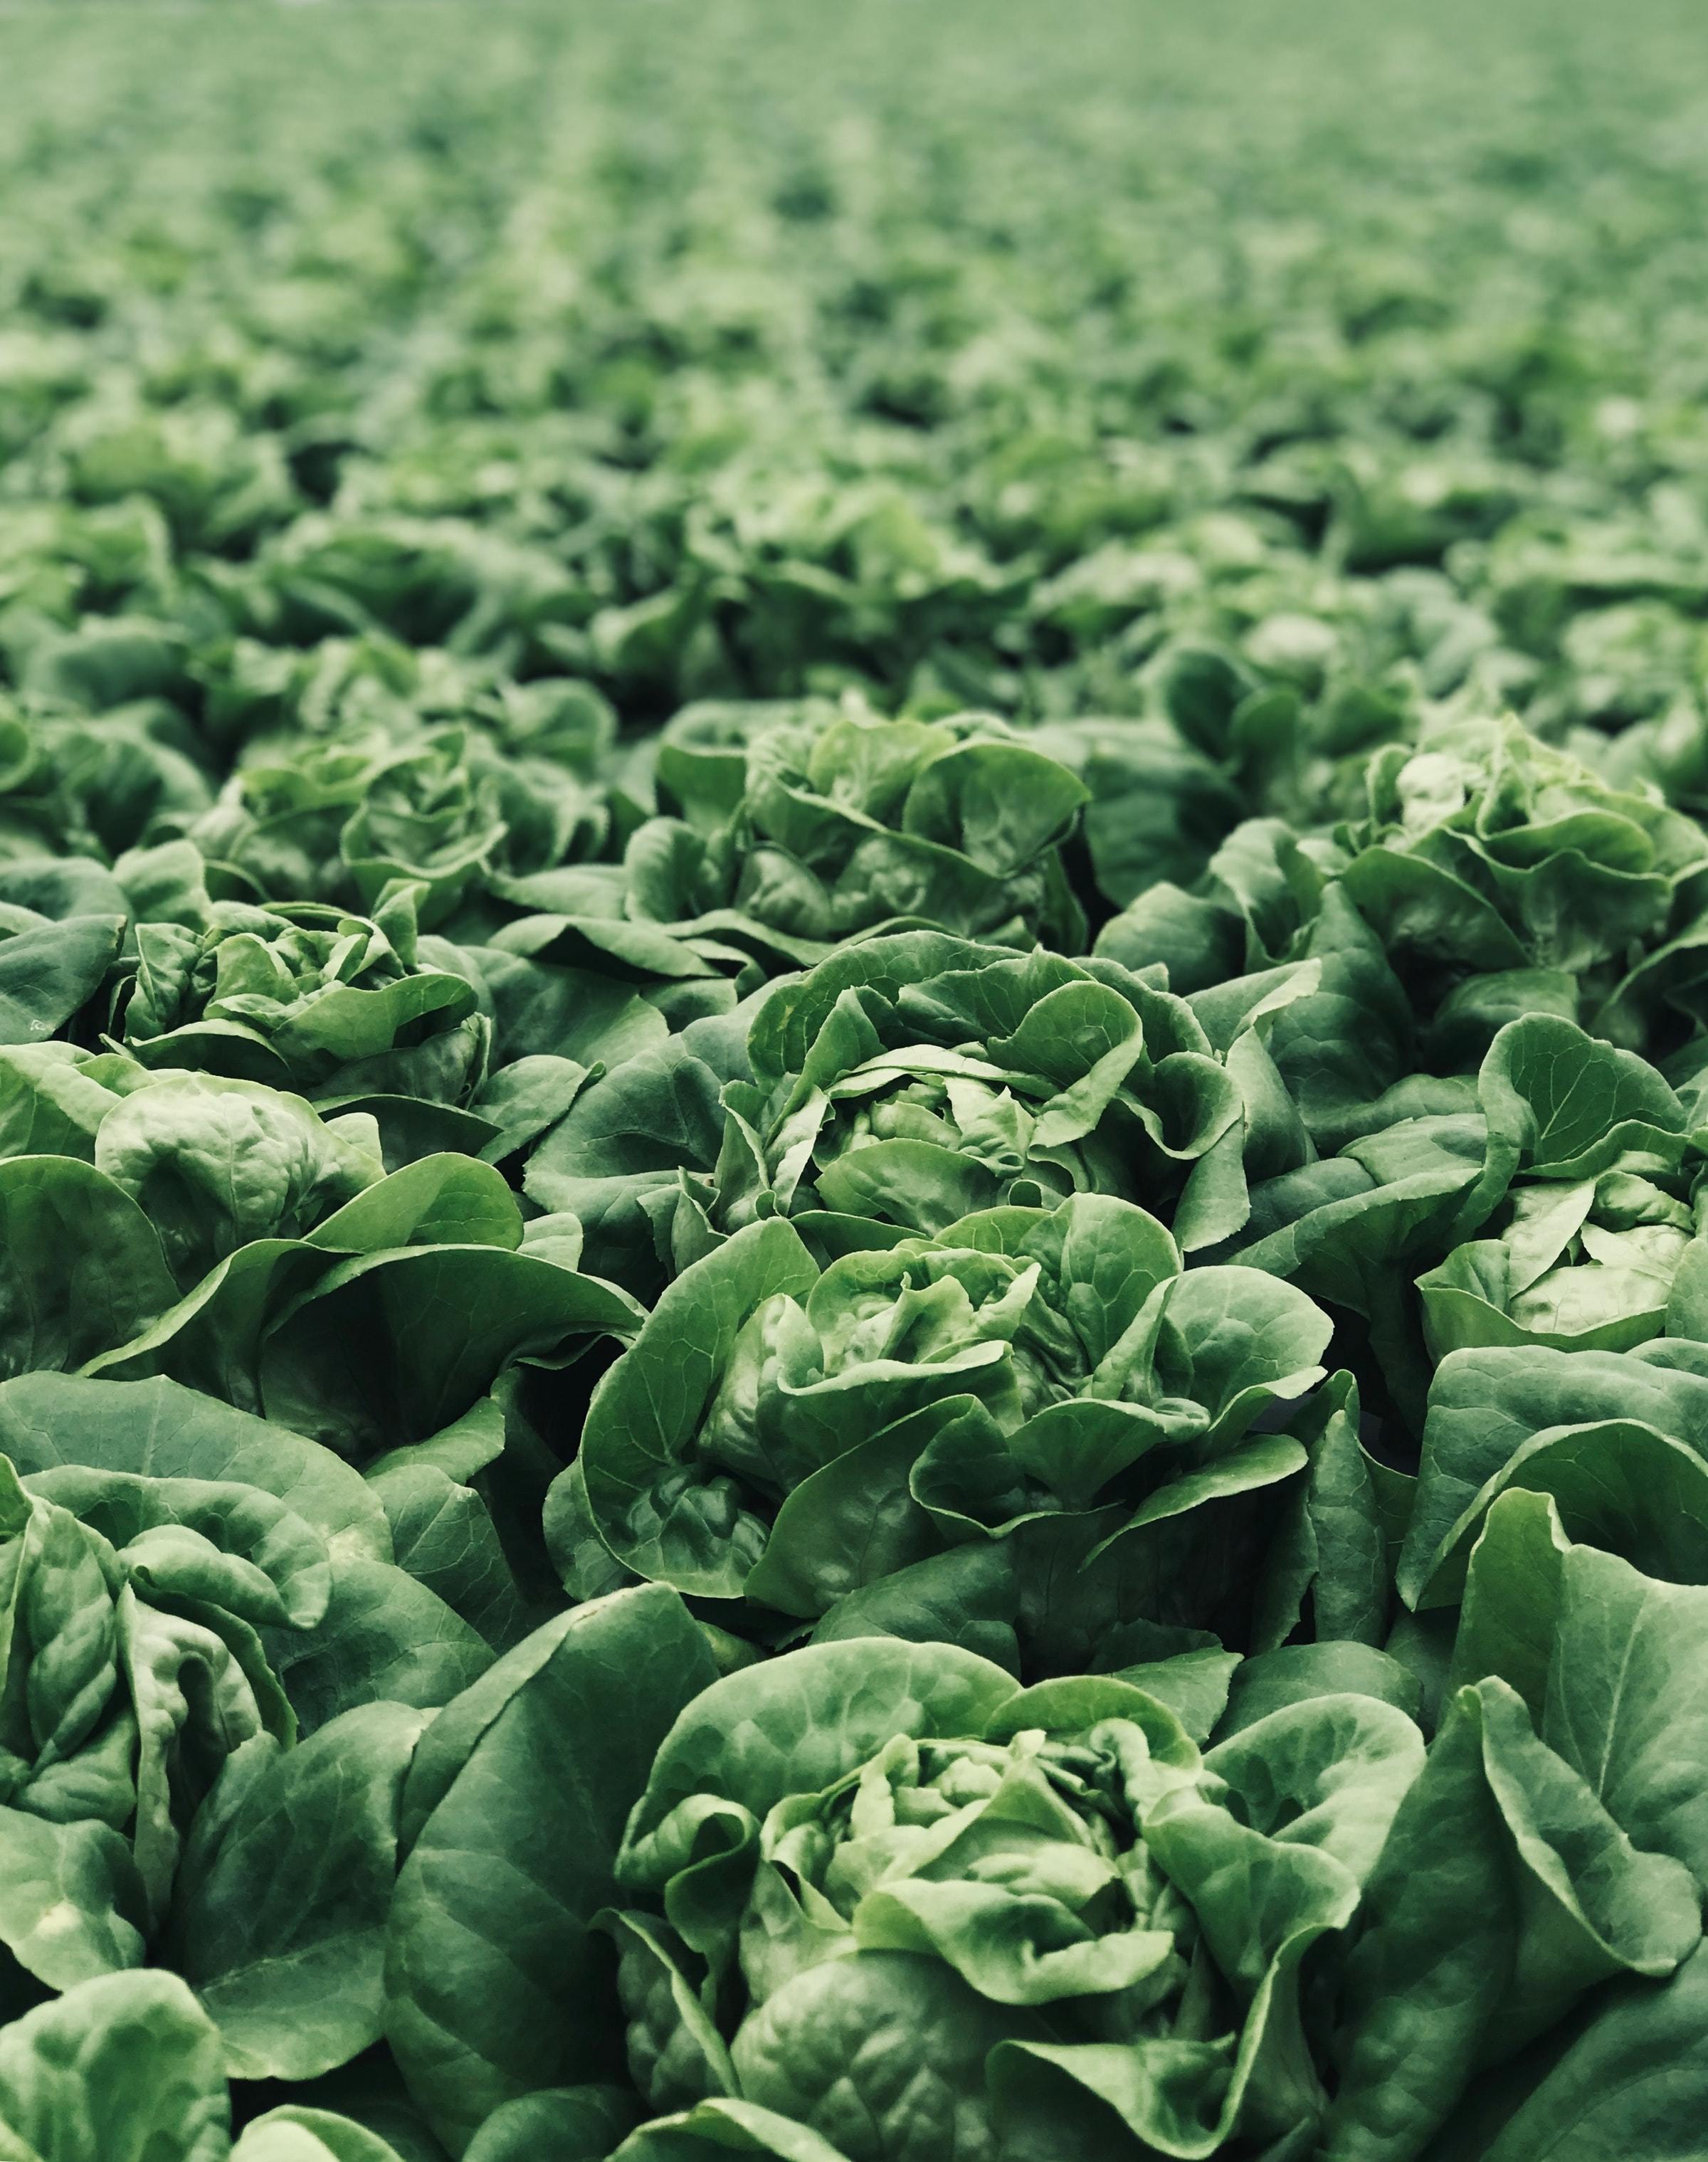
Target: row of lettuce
853 996
1041 1513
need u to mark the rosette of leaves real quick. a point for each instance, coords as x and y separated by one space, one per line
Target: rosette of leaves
911 1080
1024 1892
769 869
1486 852
305 998
1493 877
1039 1393
875 1896
340 821
1012 1909
428 582
835 823
257 699
781 574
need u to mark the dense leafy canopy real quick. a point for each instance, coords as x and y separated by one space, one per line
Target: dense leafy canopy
853 1084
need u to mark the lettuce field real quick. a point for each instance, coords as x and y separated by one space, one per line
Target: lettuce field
854 1082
